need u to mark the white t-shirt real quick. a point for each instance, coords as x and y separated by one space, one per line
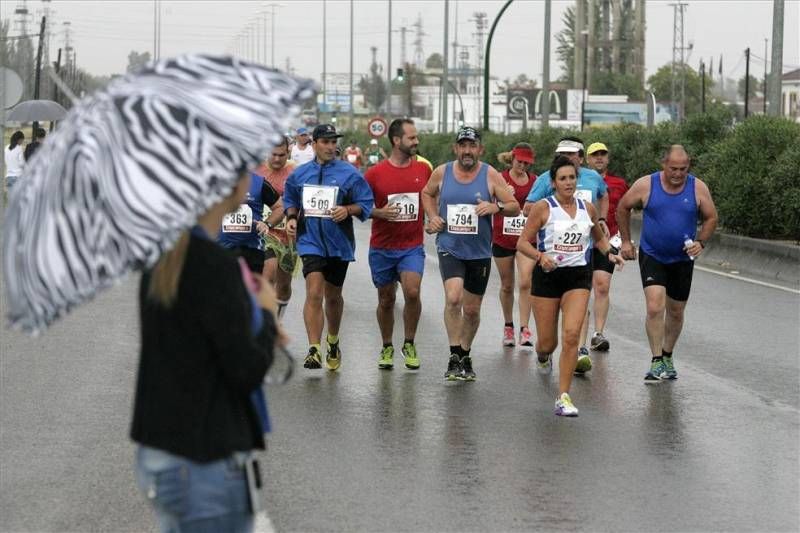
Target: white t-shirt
15 160
300 155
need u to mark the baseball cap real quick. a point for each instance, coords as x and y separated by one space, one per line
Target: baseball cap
596 147
468 133
523 154
568 147
302 131
325 131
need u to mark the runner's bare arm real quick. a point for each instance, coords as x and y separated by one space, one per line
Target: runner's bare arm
708 213
430 197
635 198
499 189
539 213
599 234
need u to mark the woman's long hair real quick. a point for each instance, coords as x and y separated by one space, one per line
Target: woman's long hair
166 275
16 138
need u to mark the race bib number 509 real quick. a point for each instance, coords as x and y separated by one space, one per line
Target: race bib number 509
318 200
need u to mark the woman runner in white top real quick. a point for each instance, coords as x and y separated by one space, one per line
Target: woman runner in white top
562 277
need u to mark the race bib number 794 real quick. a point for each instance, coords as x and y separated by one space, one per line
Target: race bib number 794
462 218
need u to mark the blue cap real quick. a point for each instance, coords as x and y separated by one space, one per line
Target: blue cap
302 131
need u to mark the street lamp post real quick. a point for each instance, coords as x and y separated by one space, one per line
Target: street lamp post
486 58
585 34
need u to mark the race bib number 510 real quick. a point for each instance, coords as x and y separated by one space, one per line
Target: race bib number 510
318 200
462 218
408 202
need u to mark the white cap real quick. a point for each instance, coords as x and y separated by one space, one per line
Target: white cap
569 147
374 141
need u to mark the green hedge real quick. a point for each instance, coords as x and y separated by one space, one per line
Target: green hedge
752 169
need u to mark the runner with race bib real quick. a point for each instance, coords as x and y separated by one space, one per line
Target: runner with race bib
458 201
505 232
396 252
590 188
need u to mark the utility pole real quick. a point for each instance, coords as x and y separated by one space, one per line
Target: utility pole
351 66
585 34
38 76
324 55
702 87
445 73
777 58
678 50
746 82
389 64
764 88
272 7
546 68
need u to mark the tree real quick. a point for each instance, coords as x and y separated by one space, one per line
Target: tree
137 60
755 85
565 51
609 83
373 87
434 61
660 84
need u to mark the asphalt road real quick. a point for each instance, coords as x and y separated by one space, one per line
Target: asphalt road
370 450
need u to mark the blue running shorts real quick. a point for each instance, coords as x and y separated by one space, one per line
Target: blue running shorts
386 264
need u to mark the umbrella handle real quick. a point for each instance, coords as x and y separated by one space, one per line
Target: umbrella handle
63 87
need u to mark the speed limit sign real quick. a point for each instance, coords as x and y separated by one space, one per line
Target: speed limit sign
377 127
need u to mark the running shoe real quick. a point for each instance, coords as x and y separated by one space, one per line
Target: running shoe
546 366
508 336
467 374
334 357
584 363
453 368
564 406
386 360
669 368
313 359
656 373
410 355
525 337
599 342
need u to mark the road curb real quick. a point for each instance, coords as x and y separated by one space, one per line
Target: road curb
745 255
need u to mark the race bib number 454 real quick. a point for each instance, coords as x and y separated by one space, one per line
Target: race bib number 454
513 225
318 200
462 218
408 202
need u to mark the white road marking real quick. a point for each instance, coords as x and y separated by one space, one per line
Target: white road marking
748 280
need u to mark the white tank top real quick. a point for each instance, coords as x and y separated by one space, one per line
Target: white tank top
565 239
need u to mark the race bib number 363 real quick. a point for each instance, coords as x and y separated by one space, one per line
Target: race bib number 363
240 221
318 200
408 202
462 218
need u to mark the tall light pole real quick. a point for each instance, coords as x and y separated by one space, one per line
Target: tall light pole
545 69
272 7
585 34
351 66
389 63
765 75
445 73
486 57
324 54
777 58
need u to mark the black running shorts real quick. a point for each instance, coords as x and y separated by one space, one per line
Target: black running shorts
555 283
475 272
252 256
676 277
333 269
500 251
600 261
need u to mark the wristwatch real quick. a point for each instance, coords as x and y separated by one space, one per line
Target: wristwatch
270 225
500 206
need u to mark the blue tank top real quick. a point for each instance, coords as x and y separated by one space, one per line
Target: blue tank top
668 220
466 235
239 228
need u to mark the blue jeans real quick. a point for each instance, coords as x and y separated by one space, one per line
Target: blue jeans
194 497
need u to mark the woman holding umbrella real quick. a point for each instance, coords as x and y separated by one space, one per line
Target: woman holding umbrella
104 204
14 158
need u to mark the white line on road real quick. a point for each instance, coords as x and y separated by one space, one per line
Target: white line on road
748 280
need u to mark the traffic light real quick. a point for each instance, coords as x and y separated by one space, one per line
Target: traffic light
400 75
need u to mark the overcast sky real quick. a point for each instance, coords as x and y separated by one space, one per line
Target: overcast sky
104 32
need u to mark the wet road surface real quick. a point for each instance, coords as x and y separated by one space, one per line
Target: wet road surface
370 450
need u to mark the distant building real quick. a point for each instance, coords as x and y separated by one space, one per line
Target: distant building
790 95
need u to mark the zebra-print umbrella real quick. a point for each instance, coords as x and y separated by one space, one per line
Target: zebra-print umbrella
129 169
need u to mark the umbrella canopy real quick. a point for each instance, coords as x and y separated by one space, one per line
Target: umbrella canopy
131 168
36 111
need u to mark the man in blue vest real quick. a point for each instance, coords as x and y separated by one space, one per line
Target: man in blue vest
671 200
459 200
